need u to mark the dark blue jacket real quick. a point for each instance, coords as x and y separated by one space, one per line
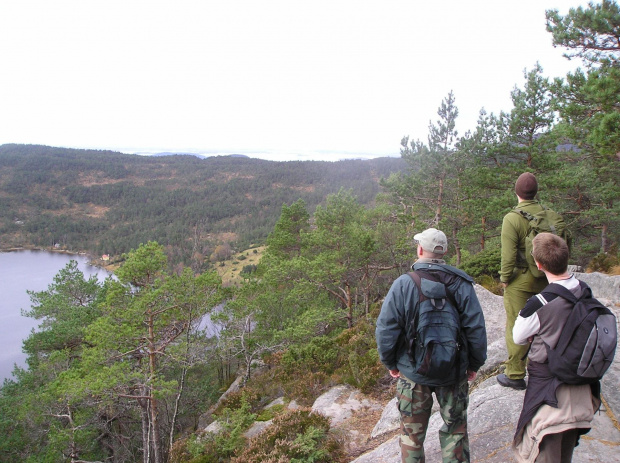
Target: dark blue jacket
398 308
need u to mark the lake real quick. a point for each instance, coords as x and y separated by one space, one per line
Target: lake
21 271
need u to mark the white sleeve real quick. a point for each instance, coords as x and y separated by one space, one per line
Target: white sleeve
525 328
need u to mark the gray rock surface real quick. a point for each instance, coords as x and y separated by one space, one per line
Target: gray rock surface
493 413
273 403
494 410
603 286
206 418
293 405
389 421
215 427
495 321
257 428
341 402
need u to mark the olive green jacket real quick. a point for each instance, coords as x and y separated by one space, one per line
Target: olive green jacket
515 228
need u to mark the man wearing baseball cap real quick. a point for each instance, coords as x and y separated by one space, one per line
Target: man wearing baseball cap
400 312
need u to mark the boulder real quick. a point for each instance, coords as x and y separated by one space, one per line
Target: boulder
604 287
389 421
206 418
293 405
273 403
257 428
492 416
214 428
494 410
341 402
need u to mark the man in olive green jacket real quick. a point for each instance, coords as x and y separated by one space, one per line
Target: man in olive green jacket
518 282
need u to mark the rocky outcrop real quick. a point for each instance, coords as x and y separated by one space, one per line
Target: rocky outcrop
493 410
341 402
606 288
206 418
493 413
366 423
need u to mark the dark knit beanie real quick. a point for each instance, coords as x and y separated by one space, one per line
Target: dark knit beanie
526 186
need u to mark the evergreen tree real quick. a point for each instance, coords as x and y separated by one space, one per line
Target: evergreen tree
587 102
145 317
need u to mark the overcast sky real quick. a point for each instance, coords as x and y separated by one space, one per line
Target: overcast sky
281 79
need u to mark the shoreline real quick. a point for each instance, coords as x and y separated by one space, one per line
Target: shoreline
91 260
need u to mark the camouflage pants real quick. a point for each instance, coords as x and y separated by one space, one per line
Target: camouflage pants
415 402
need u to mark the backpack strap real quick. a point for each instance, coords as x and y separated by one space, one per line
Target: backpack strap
526 215
416 276
411 334
565 293
572 323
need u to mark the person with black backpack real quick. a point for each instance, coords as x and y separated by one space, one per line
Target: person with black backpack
431 335
572 340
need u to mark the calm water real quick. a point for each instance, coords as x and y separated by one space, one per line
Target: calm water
21 271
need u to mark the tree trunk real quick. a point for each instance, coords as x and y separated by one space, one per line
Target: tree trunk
154 405
457 246
155 431
483 234
349 307
145 428
439 203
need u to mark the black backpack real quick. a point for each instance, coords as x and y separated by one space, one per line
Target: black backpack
435 339
587 343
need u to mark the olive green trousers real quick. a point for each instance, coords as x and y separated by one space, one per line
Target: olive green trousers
516 295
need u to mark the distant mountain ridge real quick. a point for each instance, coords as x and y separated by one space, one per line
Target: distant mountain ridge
169 153
106 202
199 156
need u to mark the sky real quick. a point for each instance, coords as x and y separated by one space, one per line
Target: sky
279 80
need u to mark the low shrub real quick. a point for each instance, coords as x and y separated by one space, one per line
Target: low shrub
492 284
486 262
220 446
305 388
359 359
604 262
296 436
319 355
248 269
270 413
236 400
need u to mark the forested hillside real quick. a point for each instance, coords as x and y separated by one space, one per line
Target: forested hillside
125 371
107 202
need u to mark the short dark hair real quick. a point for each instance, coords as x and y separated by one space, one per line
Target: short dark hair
434 255
551 252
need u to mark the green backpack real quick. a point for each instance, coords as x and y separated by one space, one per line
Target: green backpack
545 221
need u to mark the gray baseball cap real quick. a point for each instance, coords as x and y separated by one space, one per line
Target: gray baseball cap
432 240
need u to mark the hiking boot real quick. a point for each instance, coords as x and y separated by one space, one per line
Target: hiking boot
505 381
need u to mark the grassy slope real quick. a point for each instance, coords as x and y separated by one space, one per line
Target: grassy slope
230 269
